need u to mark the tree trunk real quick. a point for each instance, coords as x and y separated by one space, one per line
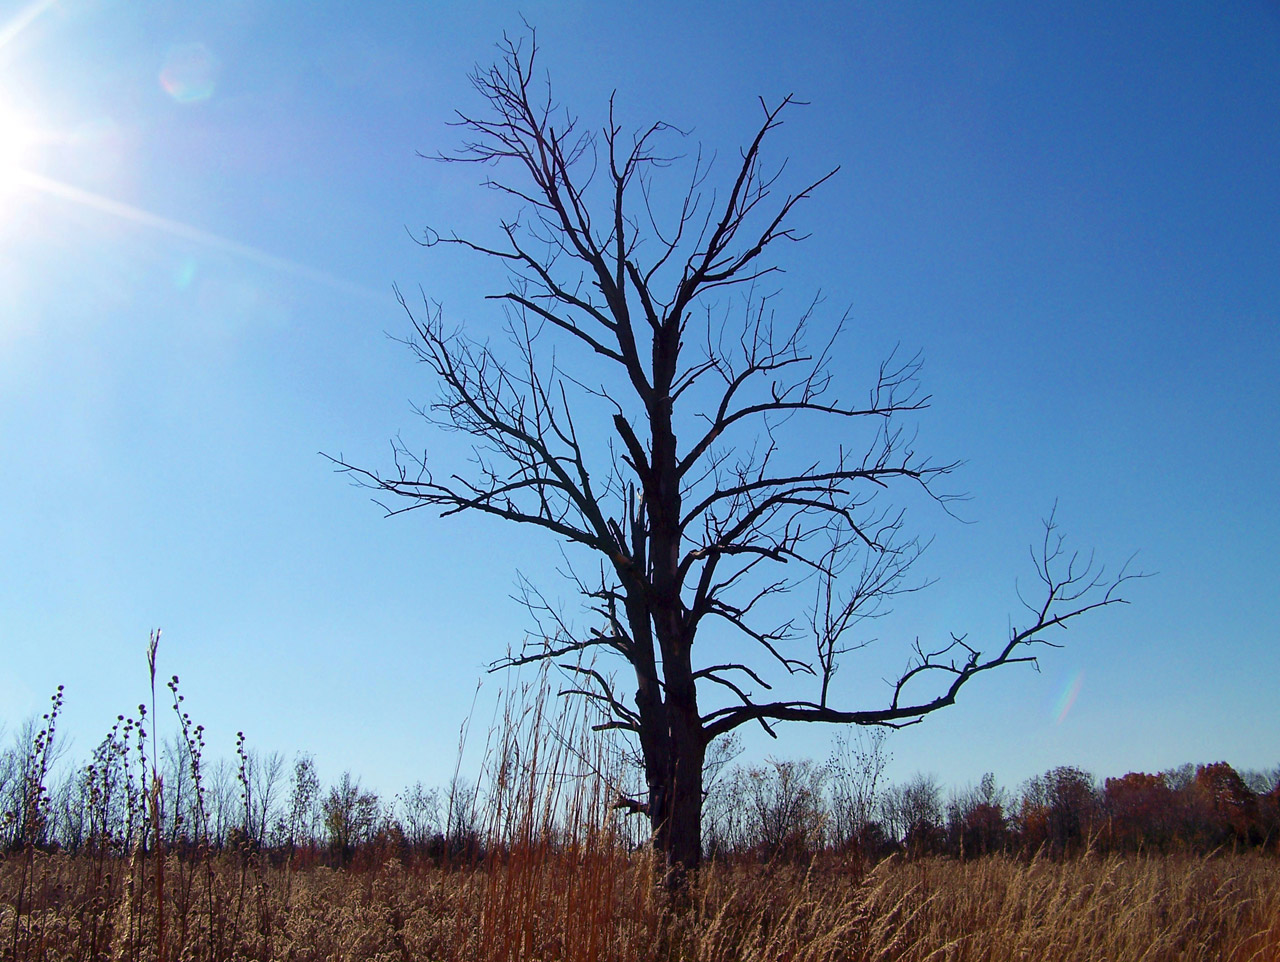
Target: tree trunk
675 810
677 820
685 852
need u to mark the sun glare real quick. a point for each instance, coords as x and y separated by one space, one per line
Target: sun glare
16 139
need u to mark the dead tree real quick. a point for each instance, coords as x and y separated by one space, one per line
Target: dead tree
658 448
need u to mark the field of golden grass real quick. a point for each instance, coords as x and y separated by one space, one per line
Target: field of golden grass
590 903
549 871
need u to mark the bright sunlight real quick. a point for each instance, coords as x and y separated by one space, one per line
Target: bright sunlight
16 139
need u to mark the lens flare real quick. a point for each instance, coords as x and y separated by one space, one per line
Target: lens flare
1068 697
185 274
173 228
23 20
190 73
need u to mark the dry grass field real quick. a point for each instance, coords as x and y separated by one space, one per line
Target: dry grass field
595 902
545 868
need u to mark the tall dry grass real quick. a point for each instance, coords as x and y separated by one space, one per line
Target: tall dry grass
550 904
554 875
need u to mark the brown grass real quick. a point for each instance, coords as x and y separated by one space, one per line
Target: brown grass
599 903
554 878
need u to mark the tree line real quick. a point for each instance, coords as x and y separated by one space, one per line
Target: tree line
797 808
134 791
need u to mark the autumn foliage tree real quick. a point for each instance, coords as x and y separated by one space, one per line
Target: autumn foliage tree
1060 809
1229 809
637 416
1141 812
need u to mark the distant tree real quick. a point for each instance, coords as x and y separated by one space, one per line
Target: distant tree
976 823
259 777
297 824
722 810
1141 812
647 415
420 816
1059 809
1231 809
28 799
102 790
1269 816
855 769
10 791
179 793
912 813
350 816
221 791
1182 777
1261 782
985 830
461 819
784 804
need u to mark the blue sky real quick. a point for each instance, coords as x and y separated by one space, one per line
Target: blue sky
1073 211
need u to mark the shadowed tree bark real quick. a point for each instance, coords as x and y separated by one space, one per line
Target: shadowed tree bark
646 414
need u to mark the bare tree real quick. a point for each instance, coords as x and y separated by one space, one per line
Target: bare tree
914 806
461 818
298 822
855 768
223 802
421 810
1261 781
179 803
784 806
259 777
350 816
642 417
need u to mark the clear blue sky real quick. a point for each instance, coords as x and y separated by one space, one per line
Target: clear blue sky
1073 210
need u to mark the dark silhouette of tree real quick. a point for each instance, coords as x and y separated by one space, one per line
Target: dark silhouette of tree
645 415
